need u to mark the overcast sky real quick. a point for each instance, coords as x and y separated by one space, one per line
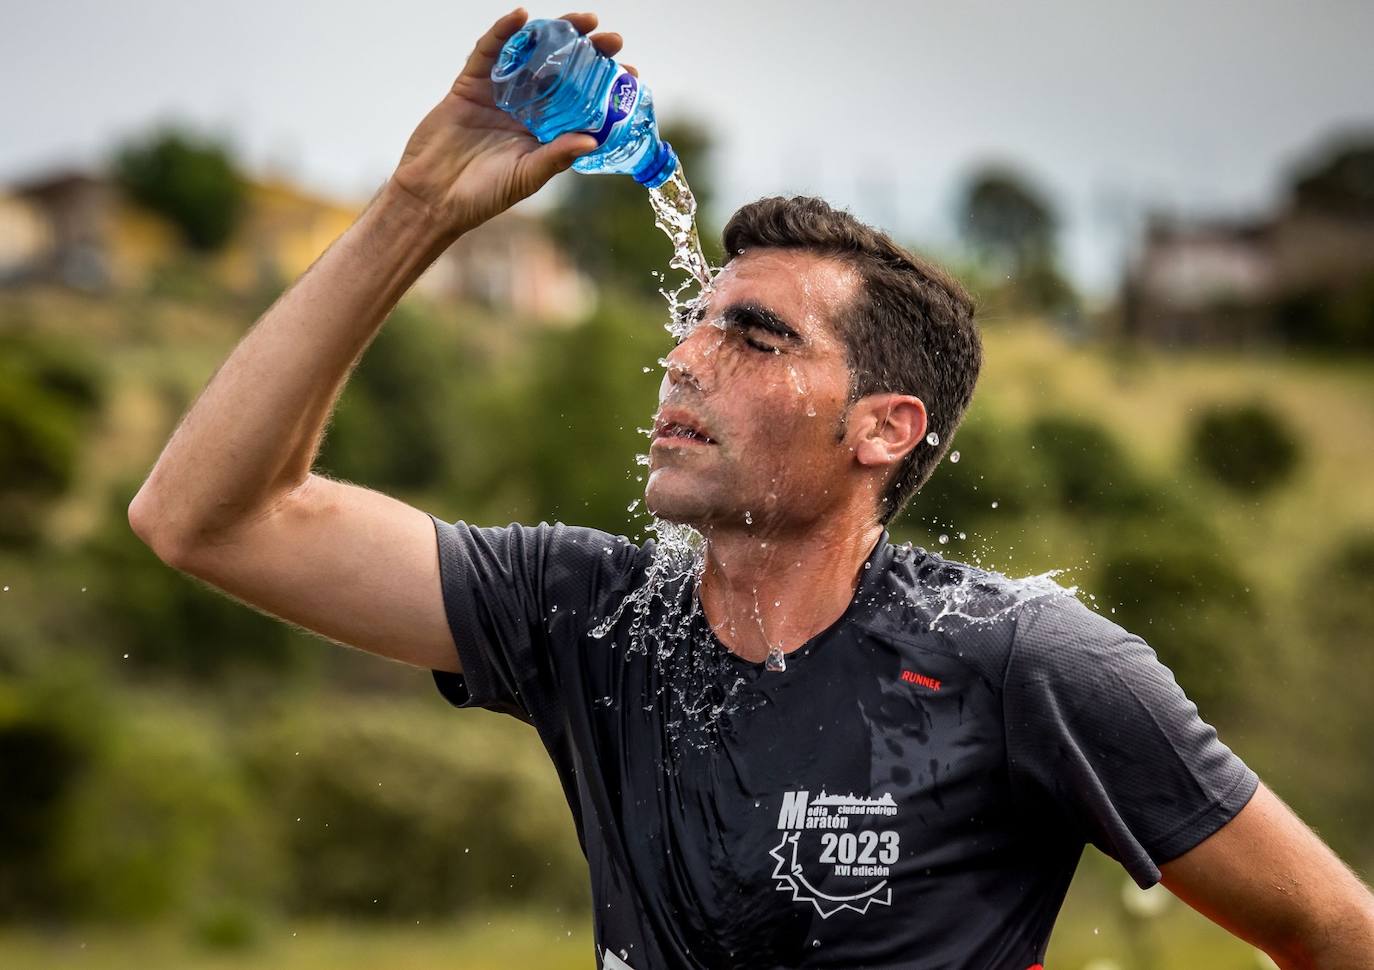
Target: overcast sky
883 107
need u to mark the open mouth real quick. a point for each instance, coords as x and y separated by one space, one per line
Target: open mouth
680 431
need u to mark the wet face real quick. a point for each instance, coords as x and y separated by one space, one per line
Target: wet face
752 407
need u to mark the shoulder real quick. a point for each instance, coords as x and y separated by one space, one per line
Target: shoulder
962 609
1062 635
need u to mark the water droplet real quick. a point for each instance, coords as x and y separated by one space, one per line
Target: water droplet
932 439
954 457
748 518
776 662
994 505
944 539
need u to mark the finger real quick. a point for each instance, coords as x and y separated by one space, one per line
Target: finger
608 43
489 45
546 161
584 22
631 68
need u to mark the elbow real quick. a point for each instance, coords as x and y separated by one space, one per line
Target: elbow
149 522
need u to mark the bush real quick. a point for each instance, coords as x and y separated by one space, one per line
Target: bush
1246 447
44 749
49 391
991 468
1194 608
164 824
386 812
111 816
1084 469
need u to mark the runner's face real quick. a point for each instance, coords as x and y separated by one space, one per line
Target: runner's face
761 378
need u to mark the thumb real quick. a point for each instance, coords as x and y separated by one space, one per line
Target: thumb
546 161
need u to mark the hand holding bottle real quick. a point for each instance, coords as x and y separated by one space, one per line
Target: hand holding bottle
468 159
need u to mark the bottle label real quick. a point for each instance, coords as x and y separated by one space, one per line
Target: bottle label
620 104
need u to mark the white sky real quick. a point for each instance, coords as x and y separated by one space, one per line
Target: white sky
879 106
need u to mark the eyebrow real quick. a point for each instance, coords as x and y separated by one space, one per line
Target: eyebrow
755 316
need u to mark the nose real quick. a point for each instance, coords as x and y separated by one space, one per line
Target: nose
678 373
691 361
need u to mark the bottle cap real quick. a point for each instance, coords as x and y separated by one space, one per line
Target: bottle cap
659 168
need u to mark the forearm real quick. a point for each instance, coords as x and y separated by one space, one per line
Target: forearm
253 433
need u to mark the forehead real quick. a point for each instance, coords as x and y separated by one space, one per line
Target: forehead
809 292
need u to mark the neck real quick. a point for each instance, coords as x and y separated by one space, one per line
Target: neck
762 589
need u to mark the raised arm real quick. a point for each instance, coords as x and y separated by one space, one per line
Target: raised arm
232 499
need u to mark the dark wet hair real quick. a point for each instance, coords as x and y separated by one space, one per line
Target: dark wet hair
910 331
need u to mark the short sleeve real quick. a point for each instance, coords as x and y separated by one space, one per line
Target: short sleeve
519 600
1100 734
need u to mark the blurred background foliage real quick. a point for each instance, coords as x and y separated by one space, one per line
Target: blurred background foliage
171 758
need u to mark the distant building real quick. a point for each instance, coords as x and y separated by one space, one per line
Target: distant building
1218 282
1201 283
74 229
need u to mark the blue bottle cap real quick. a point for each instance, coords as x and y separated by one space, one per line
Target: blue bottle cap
660 169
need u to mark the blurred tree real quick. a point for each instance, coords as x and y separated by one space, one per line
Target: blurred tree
1246 447
1006 219
390 427
1010 224
192 181
606 223
594 385
1341 181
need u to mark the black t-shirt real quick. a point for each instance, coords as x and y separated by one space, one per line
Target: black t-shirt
905 795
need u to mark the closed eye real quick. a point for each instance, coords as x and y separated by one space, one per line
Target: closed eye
761 346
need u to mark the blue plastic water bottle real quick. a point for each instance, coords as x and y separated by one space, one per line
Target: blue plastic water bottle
551 78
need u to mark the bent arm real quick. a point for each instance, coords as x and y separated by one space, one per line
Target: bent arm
1266 877
252 435
232 499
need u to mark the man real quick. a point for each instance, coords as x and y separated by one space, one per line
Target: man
915 788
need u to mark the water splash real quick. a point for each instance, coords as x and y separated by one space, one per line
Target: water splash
675 212
984 596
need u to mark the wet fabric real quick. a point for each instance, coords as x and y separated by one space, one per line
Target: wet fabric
899 797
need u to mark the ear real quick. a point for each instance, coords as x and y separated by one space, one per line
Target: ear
884 428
